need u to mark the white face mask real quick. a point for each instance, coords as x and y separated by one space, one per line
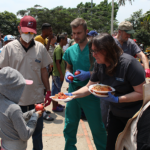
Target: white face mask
27 37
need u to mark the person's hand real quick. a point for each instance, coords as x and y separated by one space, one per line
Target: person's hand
147 71
68 94
67 75
83 75
111 98
50 35
61 78
47 98
40 112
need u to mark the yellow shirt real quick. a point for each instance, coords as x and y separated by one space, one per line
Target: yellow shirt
41 40
29 64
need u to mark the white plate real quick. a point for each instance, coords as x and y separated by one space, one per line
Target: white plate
91 86
97 94
62 100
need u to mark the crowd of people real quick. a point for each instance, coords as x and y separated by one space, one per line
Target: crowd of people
27 63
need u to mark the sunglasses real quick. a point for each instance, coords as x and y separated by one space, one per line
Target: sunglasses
28 32
95 52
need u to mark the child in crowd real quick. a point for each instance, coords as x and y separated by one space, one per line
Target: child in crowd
15 127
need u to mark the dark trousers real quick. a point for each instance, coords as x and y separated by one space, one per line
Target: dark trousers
37 135
115 126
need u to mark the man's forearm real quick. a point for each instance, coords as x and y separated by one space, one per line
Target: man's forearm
144 59
44 75
81 92
145 63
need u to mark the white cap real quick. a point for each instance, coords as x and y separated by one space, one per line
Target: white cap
8 38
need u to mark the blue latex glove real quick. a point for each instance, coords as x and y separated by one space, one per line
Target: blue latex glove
83 75
68 94
66 76
111 98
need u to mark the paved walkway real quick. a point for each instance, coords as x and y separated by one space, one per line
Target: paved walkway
53 132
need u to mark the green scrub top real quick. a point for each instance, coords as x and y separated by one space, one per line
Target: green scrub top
79 60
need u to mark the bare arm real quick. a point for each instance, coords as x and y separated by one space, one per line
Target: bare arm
84 90
134 96
59 70
49 40
69 68
144 59
45 80
48 44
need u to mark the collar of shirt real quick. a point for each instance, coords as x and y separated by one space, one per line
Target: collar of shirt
31 44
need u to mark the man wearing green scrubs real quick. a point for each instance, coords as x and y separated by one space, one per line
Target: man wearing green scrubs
78 58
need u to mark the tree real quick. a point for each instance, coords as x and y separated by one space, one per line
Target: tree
122 2
98 17
58 17
136 19
142 36
9 23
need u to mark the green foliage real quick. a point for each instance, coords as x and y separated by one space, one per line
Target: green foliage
122 2
98 17
136 19
9 23
147 16
143 36
141 25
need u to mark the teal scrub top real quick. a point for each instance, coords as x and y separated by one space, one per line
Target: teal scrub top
79 60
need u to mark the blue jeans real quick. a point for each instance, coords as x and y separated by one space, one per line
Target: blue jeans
56 85
37 135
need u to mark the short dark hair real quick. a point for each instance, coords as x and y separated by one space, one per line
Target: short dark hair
45 26
107 43
79 22
61 36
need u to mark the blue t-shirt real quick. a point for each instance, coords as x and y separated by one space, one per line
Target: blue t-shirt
129 47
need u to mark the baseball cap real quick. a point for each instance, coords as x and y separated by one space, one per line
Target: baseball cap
126 26
92 33
134 40
8 38
28 24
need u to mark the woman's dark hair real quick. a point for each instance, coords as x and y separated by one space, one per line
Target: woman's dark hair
105 42
59 37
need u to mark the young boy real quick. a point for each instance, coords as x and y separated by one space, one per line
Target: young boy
15 127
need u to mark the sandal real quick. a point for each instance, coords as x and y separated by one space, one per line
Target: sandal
48 112
58 109
48 118
61 106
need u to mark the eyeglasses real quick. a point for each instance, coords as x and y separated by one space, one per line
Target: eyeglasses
28 32
95 52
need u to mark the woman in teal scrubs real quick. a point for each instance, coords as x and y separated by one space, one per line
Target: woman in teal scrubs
78 59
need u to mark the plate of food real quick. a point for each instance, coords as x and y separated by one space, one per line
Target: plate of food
101 91
101 88
61 97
